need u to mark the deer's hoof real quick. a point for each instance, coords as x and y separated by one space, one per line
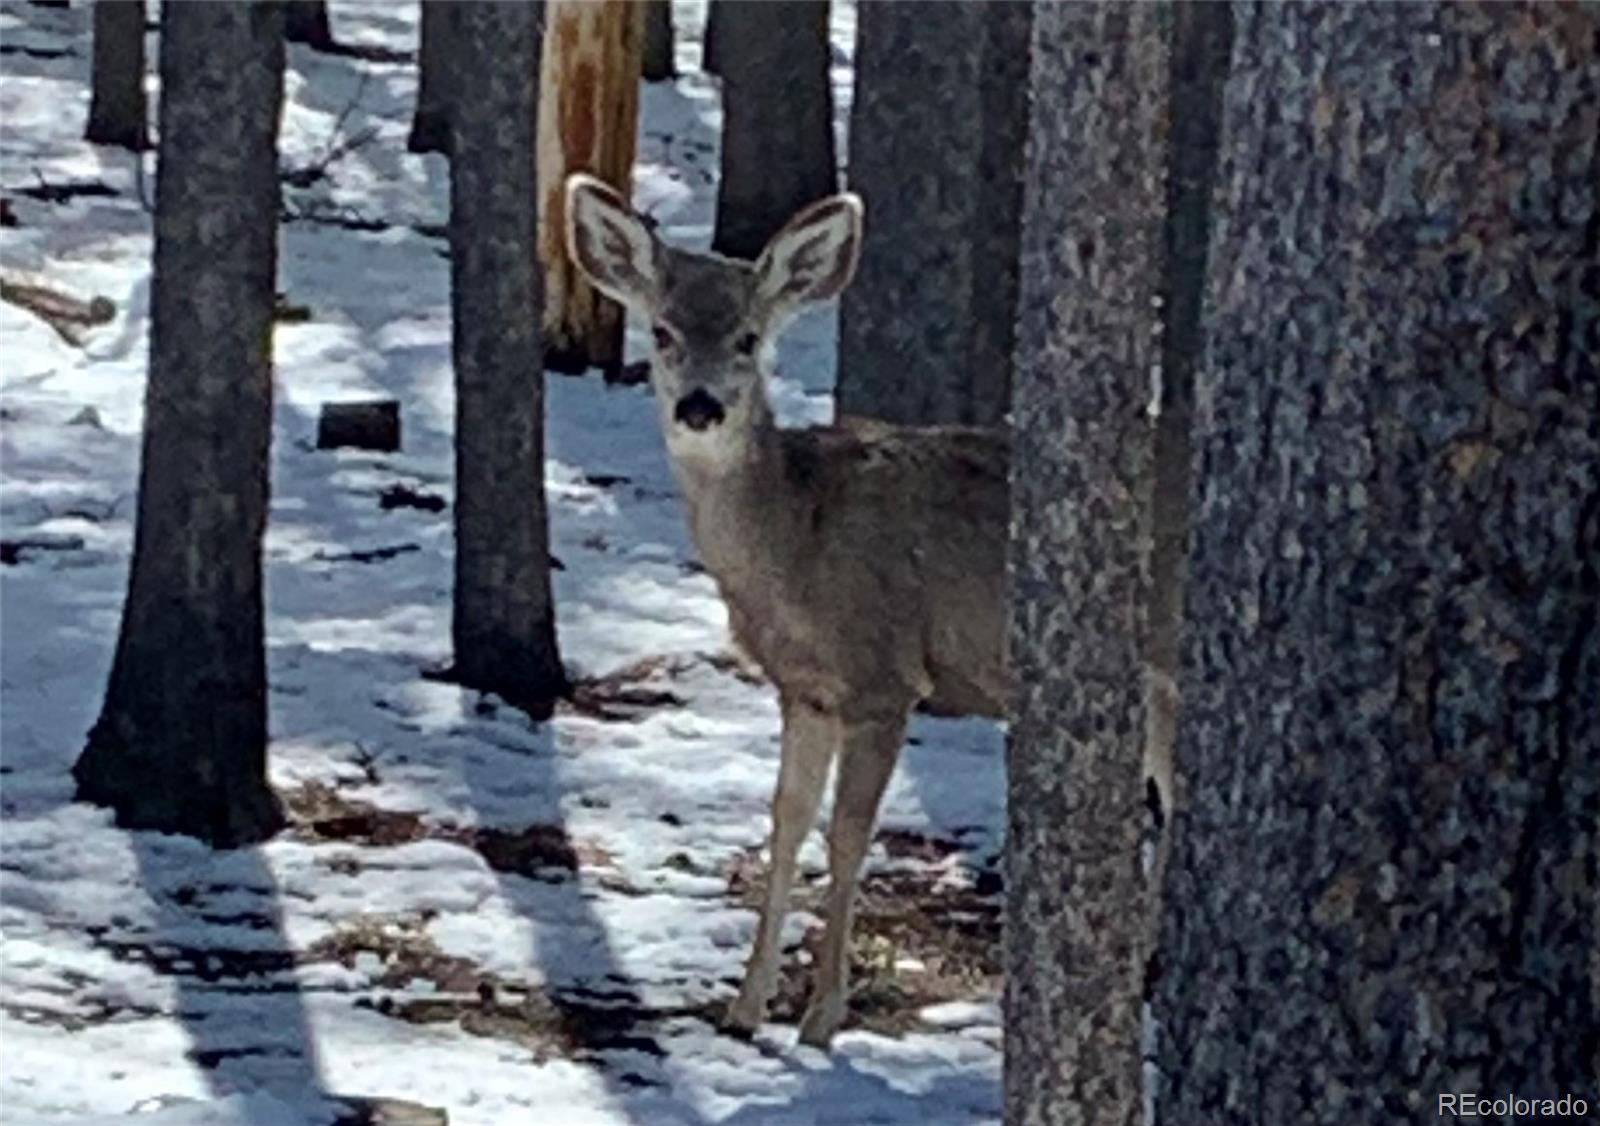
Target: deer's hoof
822 1020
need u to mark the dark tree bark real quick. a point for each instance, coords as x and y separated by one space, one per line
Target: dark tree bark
180 745
936 145
1201 37
777 104
504 622
306 21
710 35
1383 878
117 110
659 62
436 62
1076 930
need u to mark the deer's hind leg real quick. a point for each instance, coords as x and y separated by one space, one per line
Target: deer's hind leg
810 738
867 754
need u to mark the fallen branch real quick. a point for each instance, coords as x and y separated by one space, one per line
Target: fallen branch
68 314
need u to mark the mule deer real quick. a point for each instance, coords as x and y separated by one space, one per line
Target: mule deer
863 566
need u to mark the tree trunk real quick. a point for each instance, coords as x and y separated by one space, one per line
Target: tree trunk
1088 335
659 63
1383 880
306 21
926 333
504 622
180 745
437 60
588 121
710 61
117 113
777 113
1201 38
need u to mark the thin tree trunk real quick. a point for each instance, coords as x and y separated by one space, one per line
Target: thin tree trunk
1076 929
117 110
504 622
588 121
659 62
1383 883
926 331
180 745
306 21
777 104
710 35
436 62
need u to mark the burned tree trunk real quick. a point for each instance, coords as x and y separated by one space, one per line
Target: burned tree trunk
306 21
504 621
117 110
588 117
936 144
436 63
181 742
1088 336
777 103
1383 880
710 38
659 62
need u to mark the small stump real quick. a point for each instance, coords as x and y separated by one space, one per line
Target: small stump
373 425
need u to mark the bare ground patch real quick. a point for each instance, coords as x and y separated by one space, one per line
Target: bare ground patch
921 938
320 813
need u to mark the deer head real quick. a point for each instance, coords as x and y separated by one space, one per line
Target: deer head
712 318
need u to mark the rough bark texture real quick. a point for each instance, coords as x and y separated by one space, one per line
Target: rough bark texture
1201 37
926 332
117 110
1383 882
1076 927
588 118
777 104
306 21
504 621
659 60
180 745
436 63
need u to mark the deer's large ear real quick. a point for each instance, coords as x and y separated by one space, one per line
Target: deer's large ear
609 243
814 257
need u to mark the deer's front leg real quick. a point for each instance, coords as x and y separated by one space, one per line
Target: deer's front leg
867 756
809 739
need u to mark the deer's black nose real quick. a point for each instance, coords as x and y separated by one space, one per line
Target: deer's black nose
698 410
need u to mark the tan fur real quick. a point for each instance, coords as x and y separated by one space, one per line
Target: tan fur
863 565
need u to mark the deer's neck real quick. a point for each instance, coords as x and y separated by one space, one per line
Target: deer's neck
737 509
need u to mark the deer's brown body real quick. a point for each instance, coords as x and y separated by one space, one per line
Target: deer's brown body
863 565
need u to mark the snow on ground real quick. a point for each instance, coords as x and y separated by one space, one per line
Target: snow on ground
516 923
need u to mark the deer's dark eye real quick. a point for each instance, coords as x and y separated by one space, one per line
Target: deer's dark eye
747 343
663 337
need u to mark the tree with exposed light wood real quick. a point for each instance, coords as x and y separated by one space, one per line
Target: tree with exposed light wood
588 118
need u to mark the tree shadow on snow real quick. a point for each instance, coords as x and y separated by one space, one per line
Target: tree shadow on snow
218 938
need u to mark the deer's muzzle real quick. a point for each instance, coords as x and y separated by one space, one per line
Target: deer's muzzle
698 410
